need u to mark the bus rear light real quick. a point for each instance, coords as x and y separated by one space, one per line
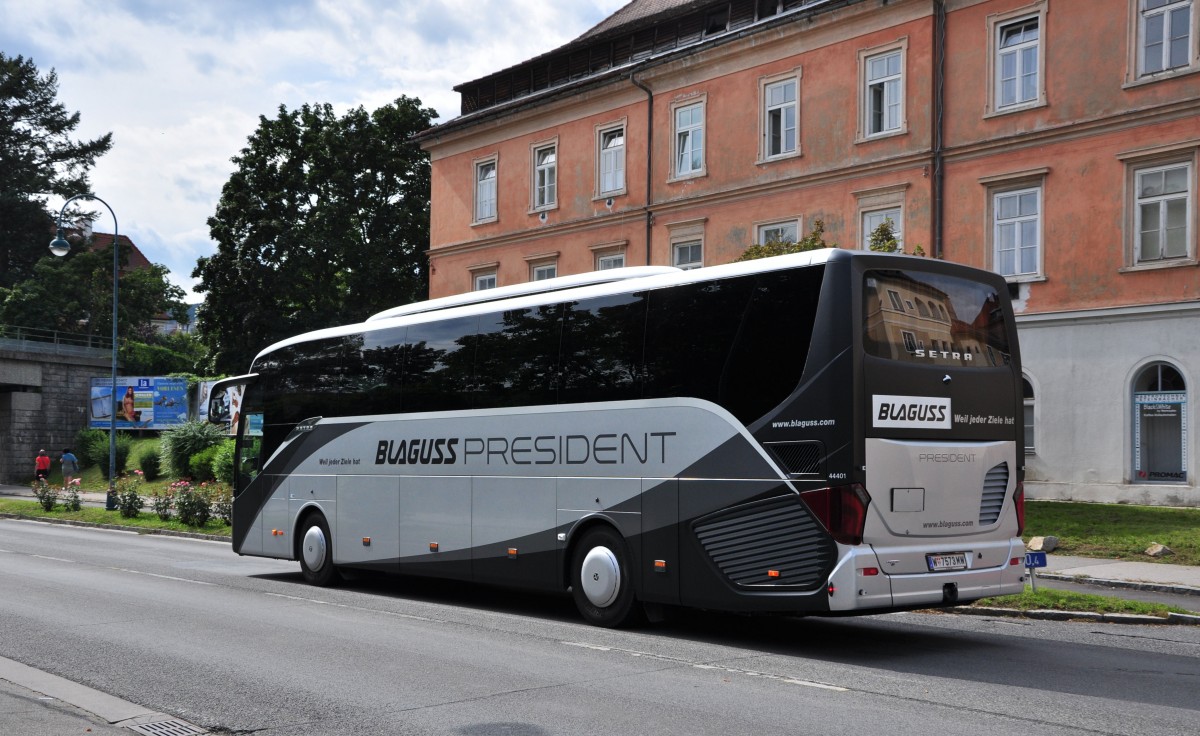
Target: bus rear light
660 566
512 553
433 546
1013 562
1019 504
772 573
869 571
831 589
842 510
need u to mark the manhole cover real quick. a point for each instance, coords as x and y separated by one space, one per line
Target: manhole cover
167 728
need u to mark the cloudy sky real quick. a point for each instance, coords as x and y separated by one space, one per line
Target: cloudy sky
181 84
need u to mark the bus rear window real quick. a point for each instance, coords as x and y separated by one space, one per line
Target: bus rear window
933 319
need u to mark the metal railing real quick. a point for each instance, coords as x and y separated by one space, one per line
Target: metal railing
38 340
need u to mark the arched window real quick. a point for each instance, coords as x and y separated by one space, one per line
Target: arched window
1027 393
1159 425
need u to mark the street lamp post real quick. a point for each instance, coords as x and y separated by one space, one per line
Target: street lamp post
60 247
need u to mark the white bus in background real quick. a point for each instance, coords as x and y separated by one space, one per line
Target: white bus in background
831 432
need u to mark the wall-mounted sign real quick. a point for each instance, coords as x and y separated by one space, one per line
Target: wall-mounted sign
142 402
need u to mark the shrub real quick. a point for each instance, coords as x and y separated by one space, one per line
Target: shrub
222 465
191 503
71 500
97 449
46 495
150 463
222 501
180 443
85 440
129 498
200 465
160 502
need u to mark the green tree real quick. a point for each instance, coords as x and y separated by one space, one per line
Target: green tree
813 241
324 222
38 159
74 294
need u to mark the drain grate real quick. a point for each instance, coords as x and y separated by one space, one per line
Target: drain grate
168 728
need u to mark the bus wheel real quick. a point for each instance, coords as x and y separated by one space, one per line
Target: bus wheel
600 579
316 552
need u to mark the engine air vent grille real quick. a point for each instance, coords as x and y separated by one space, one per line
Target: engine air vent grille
775 542
798 458
995 485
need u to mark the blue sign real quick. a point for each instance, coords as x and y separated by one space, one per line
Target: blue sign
1035 559
142 402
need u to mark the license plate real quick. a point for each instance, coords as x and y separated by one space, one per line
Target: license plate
940 563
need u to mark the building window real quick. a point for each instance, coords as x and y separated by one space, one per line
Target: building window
1164 35
883 93
1027 394
1017 232
1162 217
610 260
781 115
1160 404
611 161
1017 63
545 177
689 255
689 140
543 271
779 232
873 219
485 281
485 190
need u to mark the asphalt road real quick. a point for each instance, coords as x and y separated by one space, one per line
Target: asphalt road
237 645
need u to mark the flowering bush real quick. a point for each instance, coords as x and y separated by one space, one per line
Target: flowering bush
160 502
221 497
46 495
129 497
71 500
191 503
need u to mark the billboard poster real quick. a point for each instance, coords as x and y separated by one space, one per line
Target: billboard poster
204 391
142 402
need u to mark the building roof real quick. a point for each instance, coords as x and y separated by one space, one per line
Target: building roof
639 31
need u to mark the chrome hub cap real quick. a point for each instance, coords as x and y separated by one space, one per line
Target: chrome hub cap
601 577
313 548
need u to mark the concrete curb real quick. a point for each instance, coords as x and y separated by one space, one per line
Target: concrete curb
121 528
1085 616
1125 584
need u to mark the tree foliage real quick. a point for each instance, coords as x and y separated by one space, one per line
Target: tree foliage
813 241
38 159
74 294
324 222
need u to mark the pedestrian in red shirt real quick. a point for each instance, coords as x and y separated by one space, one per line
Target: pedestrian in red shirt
42 465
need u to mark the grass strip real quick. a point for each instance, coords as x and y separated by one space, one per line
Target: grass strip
1063 600
1116 531
93 515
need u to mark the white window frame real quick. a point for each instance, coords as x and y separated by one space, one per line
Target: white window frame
485 207
1017 222
877 216
1163 200
694 250
1029 418
1005 185
688 139
606 261
1165 12
1160 158
997 24
543 271
610 162
772 111
544 185
483 280
891 91
762 236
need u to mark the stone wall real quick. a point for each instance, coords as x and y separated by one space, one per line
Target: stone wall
44 394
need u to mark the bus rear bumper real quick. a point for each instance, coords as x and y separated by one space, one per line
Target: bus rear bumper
861 585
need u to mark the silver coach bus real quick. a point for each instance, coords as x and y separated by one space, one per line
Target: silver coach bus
831 432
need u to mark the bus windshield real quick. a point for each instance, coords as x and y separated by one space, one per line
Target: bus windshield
934 319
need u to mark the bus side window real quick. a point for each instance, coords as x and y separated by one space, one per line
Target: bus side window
601 355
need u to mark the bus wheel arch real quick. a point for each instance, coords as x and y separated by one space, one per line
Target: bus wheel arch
601 576
314 549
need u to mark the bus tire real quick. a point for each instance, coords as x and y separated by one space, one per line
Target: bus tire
601 579
316 552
